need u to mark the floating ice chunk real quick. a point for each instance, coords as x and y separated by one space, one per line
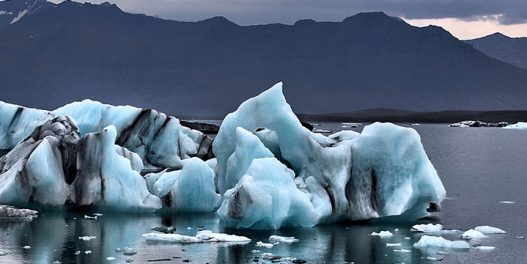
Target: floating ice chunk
263 244
281 239
110 258
90 217
203 236
87 238
11 212
254 251
473 234
519 125
128 251
402 250
428 228
506 202
97 214
3 252
78 252
439 242
382 234
267 255
87 252
489 230
485 248
393 244
434 258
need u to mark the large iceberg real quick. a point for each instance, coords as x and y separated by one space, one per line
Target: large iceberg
263 170
383 172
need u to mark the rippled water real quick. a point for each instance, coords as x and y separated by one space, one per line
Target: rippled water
478 166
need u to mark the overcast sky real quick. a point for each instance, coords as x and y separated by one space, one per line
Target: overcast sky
463 18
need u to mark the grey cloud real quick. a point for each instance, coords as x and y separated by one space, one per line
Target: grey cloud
247 12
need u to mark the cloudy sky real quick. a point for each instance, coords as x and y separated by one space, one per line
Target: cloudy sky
463 18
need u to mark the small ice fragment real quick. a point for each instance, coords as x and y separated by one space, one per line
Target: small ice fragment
118 250
443 253
254 251
87 238
520 237
97 214
26 247
3 253
506 202
396 230
434 258
393 244
439 242
267 256
382 234
407 238
428 228
402 250
87 252
110 258
282 239
189 228
164 229
90 217
472 234
485 248
56 262
78 252
129 260
129 251
262 244
489 230
74 218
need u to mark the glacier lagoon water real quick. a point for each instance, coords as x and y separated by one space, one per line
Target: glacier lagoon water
478 166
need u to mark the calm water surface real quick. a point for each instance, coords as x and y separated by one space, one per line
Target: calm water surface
478 166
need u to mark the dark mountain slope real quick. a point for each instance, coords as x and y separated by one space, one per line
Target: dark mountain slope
504 48
368 60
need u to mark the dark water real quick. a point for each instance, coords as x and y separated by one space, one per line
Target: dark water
478 166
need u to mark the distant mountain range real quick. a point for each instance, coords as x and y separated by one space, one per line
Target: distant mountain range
71 51
504 48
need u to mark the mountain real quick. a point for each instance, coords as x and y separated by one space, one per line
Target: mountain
12 11
504 48
369 60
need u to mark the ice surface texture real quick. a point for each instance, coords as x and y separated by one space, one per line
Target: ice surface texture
269 171
382 172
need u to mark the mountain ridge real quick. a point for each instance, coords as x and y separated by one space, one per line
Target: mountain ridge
370 60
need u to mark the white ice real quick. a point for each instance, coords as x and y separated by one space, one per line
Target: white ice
426 242
472 234
281 239
428 228
519 125
382 234
489 230
204 236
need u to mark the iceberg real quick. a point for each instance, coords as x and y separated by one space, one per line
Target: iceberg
519 125
263 170
382 172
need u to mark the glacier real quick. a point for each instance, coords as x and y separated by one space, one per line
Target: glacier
263 170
